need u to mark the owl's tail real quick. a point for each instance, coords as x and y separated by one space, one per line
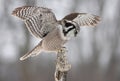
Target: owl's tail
34 52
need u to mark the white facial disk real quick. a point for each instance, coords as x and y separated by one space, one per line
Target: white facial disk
70 29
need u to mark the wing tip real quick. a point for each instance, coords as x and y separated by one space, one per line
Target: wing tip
95 21
98 18
16 10
25 57
21 59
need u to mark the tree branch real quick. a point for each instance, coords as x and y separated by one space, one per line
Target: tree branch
62 66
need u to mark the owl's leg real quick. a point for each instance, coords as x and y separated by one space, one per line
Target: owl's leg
34 52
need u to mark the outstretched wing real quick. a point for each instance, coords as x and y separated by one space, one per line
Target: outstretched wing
34 52
83 19
38 20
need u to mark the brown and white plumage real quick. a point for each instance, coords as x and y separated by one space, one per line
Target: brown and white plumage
42 23
37 19
83 19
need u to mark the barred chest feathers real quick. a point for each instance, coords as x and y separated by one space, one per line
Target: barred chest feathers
54 40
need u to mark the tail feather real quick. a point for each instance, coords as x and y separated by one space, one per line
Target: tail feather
36 51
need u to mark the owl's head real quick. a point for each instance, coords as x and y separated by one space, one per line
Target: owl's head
70 28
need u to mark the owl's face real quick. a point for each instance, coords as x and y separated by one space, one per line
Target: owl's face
70 28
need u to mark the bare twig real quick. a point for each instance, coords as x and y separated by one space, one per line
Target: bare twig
62 66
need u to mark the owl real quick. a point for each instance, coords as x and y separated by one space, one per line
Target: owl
42 23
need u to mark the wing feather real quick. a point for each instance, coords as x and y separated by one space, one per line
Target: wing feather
39 20
83 19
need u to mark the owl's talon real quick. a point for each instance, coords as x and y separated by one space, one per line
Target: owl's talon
62 50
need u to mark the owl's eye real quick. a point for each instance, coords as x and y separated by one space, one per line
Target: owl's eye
68 24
